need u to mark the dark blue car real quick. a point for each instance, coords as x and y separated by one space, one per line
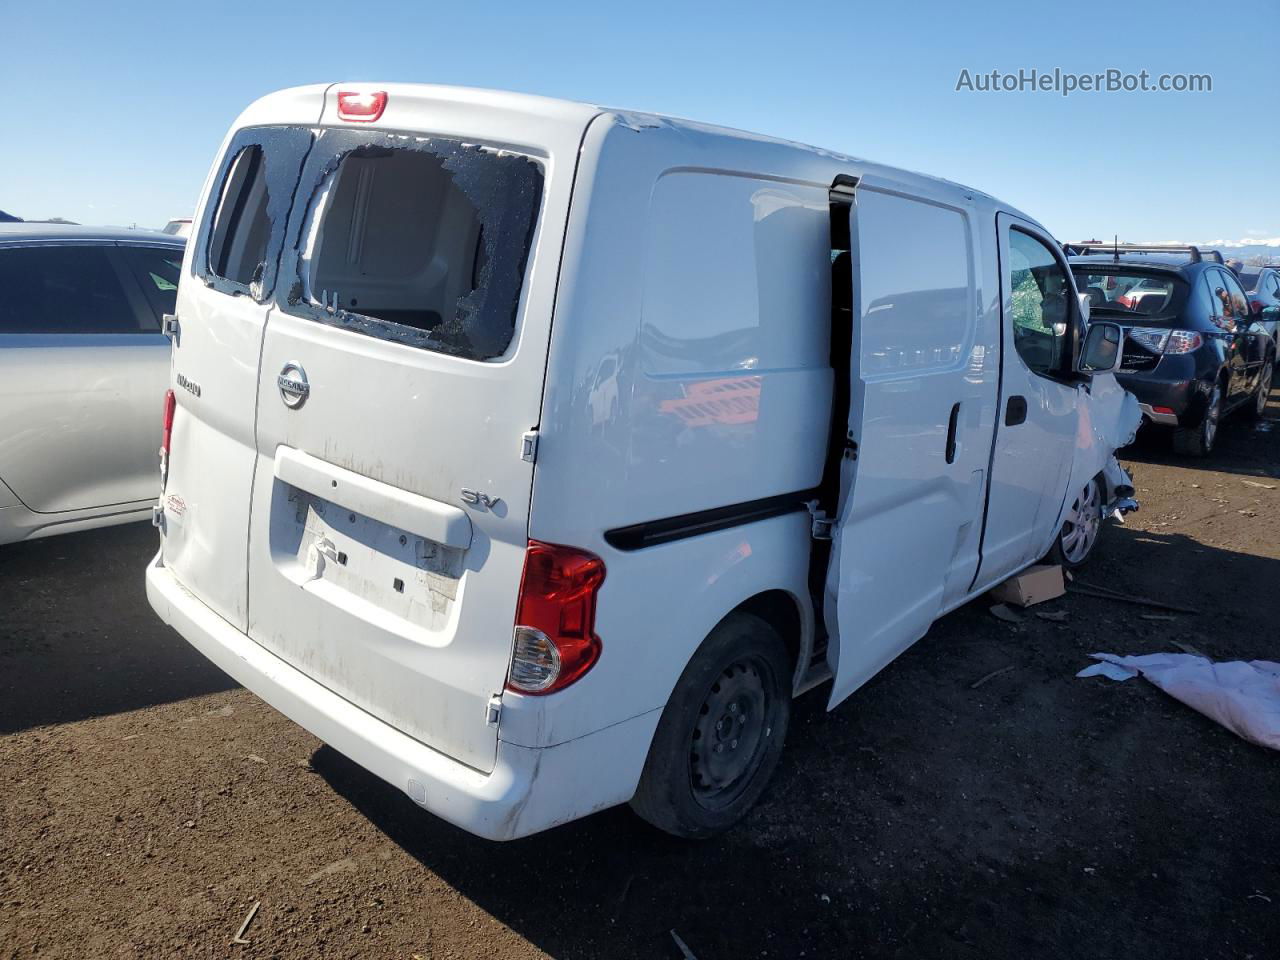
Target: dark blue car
1194 351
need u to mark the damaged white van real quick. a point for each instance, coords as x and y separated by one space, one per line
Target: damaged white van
534 455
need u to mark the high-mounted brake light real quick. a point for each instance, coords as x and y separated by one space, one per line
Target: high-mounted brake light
361 107
555 641
166 435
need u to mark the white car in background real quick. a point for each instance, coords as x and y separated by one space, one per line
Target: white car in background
178 227
83 371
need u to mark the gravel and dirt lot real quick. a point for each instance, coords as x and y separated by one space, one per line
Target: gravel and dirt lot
147 803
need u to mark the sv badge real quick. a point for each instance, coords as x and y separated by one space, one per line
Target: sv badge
478 499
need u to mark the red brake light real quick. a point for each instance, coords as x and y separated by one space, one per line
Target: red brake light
1255 306
1183 341
555 641
170 405
361 107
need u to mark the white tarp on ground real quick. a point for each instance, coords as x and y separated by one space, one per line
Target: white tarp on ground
1243 697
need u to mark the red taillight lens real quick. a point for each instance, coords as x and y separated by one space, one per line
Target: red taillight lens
166 434
1255 307
555 641
1183 341
1165 410
170 405
361 107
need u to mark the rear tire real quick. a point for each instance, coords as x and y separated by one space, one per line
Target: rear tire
1199 441
721 733
1255 409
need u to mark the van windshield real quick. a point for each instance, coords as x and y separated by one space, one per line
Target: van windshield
419 241
1132 292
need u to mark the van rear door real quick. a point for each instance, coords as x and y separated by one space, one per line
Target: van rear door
922 404
222 306
401 382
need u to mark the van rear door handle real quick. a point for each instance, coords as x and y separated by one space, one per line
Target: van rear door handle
1016 411
951 433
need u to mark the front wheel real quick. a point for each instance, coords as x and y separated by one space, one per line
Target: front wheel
721 732
1081 529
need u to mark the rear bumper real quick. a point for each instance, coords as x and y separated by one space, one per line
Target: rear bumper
529 789
1181 384
1158 416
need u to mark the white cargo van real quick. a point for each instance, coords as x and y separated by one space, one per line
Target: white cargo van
534 454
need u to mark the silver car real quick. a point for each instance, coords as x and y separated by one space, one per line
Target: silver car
83 371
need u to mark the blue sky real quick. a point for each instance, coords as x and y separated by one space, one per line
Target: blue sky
116 109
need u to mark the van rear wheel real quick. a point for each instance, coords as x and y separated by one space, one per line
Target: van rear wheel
721 733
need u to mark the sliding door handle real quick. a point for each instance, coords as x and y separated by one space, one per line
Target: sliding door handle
951 433
1015 412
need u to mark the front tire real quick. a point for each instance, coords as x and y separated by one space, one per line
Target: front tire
721 733
1081 530
1198 441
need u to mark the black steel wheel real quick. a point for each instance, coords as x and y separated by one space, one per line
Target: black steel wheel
721 733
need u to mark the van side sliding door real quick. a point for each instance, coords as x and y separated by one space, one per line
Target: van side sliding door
922 399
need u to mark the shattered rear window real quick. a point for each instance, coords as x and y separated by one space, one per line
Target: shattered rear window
241 230
416 240
241 227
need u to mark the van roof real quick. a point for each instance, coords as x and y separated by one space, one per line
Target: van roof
579 114
26 231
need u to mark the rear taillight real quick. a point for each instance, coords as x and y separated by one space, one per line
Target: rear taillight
555 641
361 107
1255 307
166 435
1159 340
1183 341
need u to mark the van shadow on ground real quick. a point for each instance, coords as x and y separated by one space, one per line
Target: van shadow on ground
74 644
1033 814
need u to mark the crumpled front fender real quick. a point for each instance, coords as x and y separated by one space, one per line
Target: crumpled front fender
1109 419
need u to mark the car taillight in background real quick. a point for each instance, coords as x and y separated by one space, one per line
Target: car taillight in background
555 641
361 107
1159 340
170 405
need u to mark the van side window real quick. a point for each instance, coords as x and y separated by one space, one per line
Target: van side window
422 242
241 227
1041 304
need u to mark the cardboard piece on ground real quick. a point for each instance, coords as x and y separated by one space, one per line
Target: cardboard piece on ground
1033 585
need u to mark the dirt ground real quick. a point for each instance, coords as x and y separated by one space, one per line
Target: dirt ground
147 802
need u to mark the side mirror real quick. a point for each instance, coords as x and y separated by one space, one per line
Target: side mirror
1085 305
1103 349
